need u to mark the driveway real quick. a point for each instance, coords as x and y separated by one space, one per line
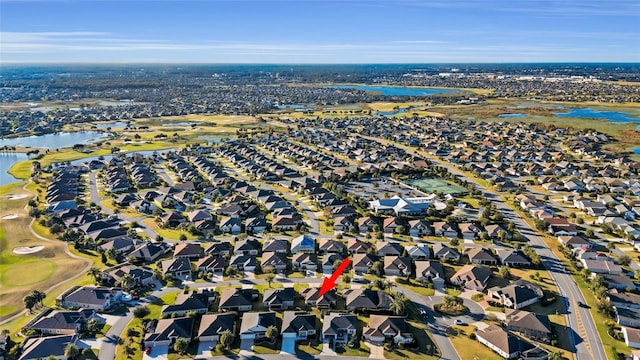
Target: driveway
246 347
377 351
327 350
288 346
157 353
204 348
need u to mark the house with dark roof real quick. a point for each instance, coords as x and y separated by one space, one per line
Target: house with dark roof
243 262
211 264
623 299
431 271
366 299
276 245
142 276
298 325
339 328
512 257
190 251
532 325
42 347
218 248
362 263
237 299
274 261
166 331
279 299
355 246
255 324
444 252
213 325
481 256
386 248
513 296
247 247
472 277
190 302
628 317
331 246
419 252
312 298
305 261
178 268
387 328
149 252
62 322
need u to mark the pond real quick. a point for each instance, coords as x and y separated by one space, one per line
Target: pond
588 113
397 90
113 125
510 116
55 141
6 162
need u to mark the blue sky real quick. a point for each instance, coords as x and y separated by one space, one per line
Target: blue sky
328 31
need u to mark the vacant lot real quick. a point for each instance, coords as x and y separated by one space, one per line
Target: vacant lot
432 185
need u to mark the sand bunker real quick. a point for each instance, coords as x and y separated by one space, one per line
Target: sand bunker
24 250
10 216
17 197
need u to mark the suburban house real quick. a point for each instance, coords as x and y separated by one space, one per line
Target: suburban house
331 246
384 328
247 247
303 243
355 246
279 299
178 268
362 263
311 298
218 249
211 264
190 251
472 277
166 331
419 252
305 261
237 299
513 296
254 325
507 345
243 262
419 228
142 276
280 246
231 225
149 252
624 300
274 261
512 258
213 325
397 266
628 317
431 271
443 252
481 256
602 266
42 347
386 248
444 229
298 326
469 231
574 241
339 328
190 302
89 297
366 299
531 325
61 322
631 337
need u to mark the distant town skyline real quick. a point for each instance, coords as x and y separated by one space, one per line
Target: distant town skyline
331 31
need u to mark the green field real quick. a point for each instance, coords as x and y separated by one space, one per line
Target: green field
437 185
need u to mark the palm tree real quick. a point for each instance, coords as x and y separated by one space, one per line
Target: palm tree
181 345
94 272
226 339
93 326
269 277
71 351
399 304
29 302
38 296
126 281
271 332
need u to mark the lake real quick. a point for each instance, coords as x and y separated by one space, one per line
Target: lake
397 90
588 113
113 125
54 141
6 161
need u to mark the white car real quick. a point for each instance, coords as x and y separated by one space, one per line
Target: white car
458 322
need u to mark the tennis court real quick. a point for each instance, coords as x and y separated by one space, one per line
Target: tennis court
437 185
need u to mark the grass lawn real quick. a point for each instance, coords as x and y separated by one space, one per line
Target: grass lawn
312 347
362 350
468 348
173 234
420 290
191 352
452 292
266 347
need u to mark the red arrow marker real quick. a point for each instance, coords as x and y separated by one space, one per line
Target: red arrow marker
330 283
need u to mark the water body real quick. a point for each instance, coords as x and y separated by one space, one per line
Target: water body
510 116
54 141
113 125
6 162
397 90
588 113
391 113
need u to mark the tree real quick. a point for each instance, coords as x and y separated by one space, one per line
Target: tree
94 272
346 278
226 339
377 267
270 277
141 311
103 258
29 302
181 345
38 296
71 351
93 326
624 260
271 332
112 253
504 272
399 304
126 281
